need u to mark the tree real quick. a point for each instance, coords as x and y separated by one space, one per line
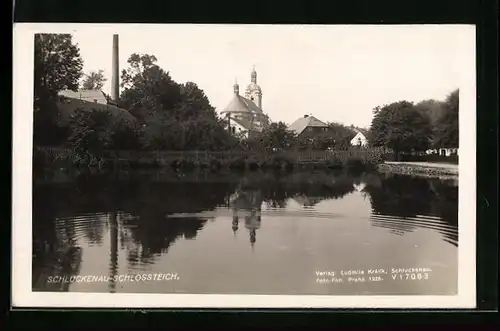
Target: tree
57 66
95 130
172 116
147 88
446 132
94 80
401 127
138 65
341 135
91 132
433 109
276 137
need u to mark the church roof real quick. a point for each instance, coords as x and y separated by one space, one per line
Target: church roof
242 104
307 121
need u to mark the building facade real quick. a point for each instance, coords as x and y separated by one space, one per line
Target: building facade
359 139
308 126
244 114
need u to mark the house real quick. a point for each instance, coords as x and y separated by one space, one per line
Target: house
308 126
443 151
95 96
70 101
360 139
244 114
238 127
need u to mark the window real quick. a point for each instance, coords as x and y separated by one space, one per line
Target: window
95 100
310 129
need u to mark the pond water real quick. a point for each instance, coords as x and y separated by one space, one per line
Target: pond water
253 233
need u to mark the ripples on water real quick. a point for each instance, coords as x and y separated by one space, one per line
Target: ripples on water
253 233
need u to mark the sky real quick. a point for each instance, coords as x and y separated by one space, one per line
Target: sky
336 73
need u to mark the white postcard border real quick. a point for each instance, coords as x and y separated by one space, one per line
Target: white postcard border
22 295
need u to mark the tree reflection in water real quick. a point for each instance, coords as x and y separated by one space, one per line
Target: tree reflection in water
137 210
403 204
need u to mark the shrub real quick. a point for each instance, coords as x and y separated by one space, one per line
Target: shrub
237 163
334 164
355 165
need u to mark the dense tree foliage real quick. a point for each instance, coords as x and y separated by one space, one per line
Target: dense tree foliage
172 116
400 127
57 66
95 130
442 118
446 132
433 109
91 131
276 137
94 80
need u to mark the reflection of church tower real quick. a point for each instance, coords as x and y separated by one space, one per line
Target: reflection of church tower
247 204
252 223
235 224
113 259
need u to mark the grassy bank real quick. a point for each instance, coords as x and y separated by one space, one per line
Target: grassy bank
433 158
354 160
414 169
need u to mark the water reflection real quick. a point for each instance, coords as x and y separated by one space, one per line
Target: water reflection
403 204
132 222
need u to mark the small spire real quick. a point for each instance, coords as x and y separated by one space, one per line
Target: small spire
254 75
236 87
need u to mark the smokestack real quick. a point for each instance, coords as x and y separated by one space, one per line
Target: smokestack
115 75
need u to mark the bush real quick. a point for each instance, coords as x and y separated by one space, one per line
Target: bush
355 165
334 164
238 163
276 162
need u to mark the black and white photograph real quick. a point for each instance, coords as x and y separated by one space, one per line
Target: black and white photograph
244 165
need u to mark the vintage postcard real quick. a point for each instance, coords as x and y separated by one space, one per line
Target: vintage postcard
244 166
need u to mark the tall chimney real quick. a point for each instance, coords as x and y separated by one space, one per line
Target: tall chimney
115 75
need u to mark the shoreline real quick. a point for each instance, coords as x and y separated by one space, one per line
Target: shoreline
422 169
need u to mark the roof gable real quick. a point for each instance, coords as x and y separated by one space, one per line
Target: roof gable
68 105
241 104
87 95
302 123
359 135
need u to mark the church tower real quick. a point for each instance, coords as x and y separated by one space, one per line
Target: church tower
253 90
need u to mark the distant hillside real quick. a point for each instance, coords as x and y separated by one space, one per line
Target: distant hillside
68 106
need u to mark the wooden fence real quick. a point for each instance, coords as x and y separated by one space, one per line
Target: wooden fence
164 157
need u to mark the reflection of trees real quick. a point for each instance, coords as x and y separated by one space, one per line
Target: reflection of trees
134 209
310 188
54 245
113 258
153 236
145 229
403 204
401 196
275 189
